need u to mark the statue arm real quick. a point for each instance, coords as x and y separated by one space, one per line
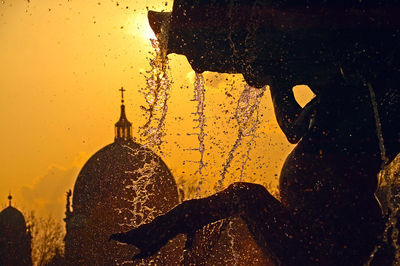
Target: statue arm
268 221
292 118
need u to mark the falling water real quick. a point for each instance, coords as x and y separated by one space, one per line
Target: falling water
384 177
140 184
199 97
156 95
231 236
247 117
252 142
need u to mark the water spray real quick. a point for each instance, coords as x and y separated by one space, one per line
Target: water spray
247 117
156 96
199 97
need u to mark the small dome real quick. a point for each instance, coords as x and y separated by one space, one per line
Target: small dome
12 219
15 239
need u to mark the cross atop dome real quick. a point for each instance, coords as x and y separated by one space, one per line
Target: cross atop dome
122 94
9 199
123 128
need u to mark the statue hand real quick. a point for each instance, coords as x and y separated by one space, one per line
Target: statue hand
145 237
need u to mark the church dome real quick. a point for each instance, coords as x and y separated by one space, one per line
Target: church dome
15 238
12 219
120 187
116 171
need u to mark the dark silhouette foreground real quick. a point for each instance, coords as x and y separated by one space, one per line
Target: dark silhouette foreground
327 213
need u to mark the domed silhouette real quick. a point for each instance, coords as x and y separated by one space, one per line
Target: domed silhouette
15 237
120 187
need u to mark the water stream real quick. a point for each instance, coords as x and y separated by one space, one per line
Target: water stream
156 95
247 118
385 178
199 97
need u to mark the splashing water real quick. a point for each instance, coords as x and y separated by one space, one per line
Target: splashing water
252 142
140 209
384 176
247 117
156 95
199 97
231 236
388 182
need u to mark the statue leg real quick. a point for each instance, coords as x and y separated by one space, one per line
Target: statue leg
268 221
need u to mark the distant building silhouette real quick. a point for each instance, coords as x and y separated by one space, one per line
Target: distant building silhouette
120 187
15 238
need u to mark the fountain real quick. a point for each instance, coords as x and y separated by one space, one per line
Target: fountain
346 51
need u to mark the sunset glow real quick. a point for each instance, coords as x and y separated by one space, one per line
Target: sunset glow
138 26
63 64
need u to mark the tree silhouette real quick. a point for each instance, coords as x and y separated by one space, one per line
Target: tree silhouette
47 238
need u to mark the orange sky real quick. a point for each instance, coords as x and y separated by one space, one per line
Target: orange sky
62 65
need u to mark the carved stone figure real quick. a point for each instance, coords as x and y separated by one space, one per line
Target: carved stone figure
347 52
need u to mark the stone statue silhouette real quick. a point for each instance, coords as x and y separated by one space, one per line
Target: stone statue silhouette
327 213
